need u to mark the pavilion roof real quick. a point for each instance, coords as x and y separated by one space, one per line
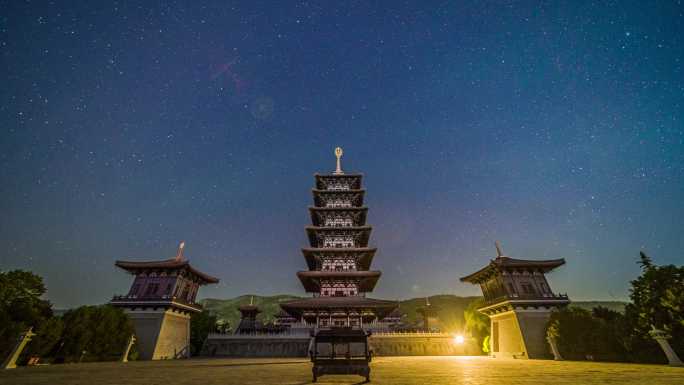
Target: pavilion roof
167 264
249 308
502 263
311 279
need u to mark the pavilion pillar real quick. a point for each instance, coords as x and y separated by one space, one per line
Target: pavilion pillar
22 341
661 337
131 341
554 348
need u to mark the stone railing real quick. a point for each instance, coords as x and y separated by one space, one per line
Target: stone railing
539 297
158 298
295 333
410 334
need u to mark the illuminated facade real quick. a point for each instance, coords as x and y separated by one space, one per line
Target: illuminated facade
518 301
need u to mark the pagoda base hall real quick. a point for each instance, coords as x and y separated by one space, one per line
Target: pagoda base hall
323 312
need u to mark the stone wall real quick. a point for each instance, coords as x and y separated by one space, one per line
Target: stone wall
382 344
161 334
520 333
421 344
533 326
256 346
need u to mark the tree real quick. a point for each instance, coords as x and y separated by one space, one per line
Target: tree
47 340
101 332
201 324
657 301
21 306
658 296
581 334
477 324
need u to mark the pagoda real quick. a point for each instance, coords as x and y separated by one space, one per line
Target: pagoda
430 316
338 258
518 301
248 318
160 302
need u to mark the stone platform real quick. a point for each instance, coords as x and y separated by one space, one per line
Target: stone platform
384 371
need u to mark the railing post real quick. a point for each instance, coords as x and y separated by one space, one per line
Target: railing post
661 337
22 341
131 341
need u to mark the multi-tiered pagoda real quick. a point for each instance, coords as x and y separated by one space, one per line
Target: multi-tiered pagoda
338 258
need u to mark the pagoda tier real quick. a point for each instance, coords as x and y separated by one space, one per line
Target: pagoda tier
338 182
336 237
318 281
338 216
339 258
338 198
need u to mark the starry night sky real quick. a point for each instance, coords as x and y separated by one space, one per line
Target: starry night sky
555 128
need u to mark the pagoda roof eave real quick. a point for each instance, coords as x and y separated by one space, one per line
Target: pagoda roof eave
351 208
173 264
355 191
328 228
379 306
349 175
512 263
339 250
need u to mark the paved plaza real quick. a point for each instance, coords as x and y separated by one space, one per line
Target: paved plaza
385 370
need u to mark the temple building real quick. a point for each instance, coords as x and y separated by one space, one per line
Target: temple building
518 301
248 318
160 302
430 317
338 258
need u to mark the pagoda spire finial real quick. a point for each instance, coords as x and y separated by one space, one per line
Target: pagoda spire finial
179 255
499 253
338 154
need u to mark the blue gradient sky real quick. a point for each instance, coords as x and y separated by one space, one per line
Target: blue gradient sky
554 127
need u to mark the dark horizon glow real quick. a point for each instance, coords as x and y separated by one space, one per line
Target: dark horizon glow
556 129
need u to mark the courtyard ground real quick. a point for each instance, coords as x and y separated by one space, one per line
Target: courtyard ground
385 370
